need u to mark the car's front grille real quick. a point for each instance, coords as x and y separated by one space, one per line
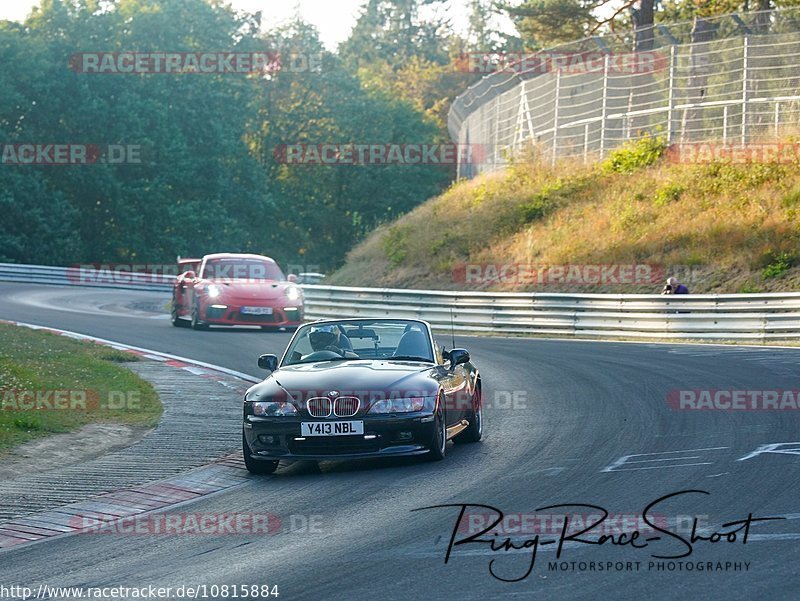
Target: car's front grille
256 319
333 445
346 406
319 407
215 312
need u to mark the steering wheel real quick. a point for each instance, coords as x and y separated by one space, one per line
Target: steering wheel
319 355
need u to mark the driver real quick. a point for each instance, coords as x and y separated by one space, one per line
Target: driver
322 337
328 337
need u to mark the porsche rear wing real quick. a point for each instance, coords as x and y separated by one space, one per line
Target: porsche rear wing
186 264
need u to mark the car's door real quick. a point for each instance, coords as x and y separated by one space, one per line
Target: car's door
181 293
190 280
456 385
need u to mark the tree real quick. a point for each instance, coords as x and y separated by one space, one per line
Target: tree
544 23
209 179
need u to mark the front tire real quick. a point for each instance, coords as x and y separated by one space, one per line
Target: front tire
474 431
256 466
177 321
439 440
196 323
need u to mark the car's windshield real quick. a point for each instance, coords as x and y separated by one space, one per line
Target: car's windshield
242 269
406 340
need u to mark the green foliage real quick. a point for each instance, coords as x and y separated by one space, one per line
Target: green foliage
550 197
722 177
669 193
395 244
626 218
749 288
209 179
792 199
781 263
635 154
535 208
39 361
543 23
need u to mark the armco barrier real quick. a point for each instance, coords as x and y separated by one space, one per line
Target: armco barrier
64 276
701 316
754 317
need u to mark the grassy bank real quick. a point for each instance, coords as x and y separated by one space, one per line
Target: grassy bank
51 383
732 227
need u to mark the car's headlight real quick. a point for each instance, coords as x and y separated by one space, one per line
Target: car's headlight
214 291
293 293
273 409
399 405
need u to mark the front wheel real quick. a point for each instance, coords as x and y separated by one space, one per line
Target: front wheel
177 321
256 466
474 431
196 323
439 441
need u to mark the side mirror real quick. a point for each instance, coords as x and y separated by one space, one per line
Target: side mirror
291 278
185 278
269 362
458 356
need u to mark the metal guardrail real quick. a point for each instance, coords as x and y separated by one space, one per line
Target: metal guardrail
758 317
75 276
753 317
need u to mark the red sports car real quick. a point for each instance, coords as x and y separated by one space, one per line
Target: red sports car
229 289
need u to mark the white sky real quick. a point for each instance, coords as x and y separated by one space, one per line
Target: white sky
333 18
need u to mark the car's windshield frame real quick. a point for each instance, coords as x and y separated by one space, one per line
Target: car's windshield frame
366 323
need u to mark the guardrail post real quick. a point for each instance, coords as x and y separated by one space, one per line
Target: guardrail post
745 65
725 124
628 119
777 118
671 93
555 114
585 144
604 108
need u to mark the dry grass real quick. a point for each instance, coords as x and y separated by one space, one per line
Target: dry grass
738 225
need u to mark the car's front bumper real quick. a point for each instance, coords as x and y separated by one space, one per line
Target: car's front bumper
384 436
222 314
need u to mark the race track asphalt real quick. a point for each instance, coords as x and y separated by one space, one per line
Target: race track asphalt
578 422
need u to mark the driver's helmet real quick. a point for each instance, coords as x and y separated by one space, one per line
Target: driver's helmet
323 336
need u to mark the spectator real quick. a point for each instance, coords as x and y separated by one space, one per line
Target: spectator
674 287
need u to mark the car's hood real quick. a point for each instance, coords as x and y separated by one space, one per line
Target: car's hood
361 378
248 289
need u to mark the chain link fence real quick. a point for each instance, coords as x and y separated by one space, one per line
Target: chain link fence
733 79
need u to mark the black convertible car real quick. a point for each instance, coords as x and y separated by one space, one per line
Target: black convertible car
355 388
